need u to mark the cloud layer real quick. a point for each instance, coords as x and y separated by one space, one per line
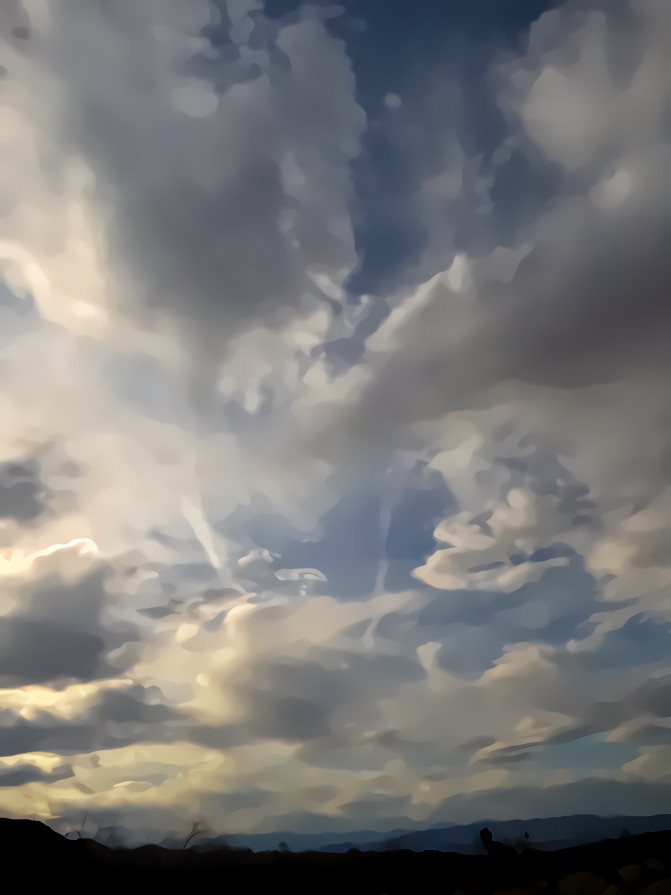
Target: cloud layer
279 556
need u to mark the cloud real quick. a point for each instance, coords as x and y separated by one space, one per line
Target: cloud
220 157
20 492
19 776
408 563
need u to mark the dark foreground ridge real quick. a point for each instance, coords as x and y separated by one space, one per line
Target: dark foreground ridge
633 865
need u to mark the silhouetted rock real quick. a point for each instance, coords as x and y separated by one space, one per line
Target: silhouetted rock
493 848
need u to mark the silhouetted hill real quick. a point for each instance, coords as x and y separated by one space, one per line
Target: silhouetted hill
18 833
633 865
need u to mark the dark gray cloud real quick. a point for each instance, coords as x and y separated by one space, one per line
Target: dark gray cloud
289 718
22 493
62 739
113 720
19 775
295 700
35 651
221 185
573 315
129 706
222 802
651 735
59 633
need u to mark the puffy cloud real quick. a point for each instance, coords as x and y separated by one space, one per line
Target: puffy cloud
211 153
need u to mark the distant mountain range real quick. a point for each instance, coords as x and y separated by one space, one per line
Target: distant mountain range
548 833
296 842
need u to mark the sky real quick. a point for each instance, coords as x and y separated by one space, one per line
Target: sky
335 450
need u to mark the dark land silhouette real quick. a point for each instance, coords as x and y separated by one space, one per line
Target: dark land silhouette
631 865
